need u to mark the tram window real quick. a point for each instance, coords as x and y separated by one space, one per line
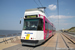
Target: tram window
40 25
50 27
30 24
46 25
45 21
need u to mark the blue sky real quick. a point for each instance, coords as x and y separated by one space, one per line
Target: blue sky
12 10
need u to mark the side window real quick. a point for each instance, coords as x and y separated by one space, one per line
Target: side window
46 25
40 25
50 27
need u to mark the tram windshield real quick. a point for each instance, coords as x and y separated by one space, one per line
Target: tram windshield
33 24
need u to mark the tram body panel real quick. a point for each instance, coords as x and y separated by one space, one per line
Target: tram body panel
32 35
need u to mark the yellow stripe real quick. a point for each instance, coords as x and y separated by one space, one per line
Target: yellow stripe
27 37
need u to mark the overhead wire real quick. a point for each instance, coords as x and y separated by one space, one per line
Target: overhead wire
36 2
45 10
40 3
42 6
57 11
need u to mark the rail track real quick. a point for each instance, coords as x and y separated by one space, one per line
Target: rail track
70 37
65 43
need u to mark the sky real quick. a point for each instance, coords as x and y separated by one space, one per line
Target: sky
12 10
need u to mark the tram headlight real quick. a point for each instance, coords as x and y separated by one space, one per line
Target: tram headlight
31 38
24 37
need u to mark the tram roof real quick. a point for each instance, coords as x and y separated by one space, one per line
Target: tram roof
36 9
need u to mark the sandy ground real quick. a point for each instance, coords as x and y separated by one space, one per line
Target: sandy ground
9 43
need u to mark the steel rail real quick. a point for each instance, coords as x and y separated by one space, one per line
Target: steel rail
65 43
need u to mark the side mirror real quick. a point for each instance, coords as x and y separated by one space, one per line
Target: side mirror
20 21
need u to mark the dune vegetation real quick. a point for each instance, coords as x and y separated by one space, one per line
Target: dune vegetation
72 29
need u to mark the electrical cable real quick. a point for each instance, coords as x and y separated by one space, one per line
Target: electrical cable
42 6
45 10
36 2
40 3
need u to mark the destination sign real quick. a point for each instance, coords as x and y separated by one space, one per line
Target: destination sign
31 16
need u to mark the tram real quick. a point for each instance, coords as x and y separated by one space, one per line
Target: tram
36 28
